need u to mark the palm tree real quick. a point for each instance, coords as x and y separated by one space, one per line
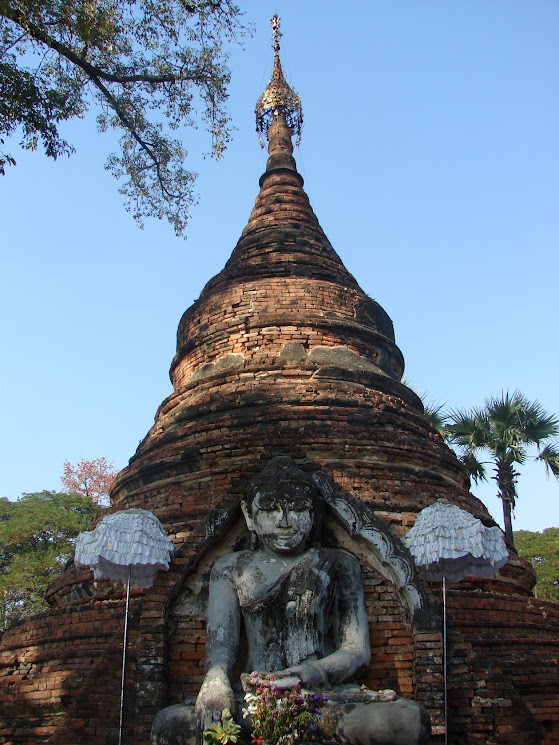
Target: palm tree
505 428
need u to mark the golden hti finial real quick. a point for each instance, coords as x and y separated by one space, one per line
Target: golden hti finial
276 33
278 97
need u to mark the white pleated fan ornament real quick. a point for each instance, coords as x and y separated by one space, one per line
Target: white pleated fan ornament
447 541
126 545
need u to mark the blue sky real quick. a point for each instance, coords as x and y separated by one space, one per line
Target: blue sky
431 157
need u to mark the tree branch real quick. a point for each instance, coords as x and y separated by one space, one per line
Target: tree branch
134 132
93 71
96 76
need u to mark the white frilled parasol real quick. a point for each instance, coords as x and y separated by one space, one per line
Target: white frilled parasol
447 542
130 546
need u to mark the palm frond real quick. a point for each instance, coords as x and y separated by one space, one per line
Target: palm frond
549 456
516 453
475 467
469 429
539 425
502 411
517 421
438 417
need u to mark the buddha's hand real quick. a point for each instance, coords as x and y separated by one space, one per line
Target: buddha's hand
307 674
285 679
215 695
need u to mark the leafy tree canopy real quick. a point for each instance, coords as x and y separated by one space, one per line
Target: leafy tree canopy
542 549
37 535
90 478
145 65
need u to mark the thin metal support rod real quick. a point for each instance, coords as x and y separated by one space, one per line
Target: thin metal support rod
124 659
444 665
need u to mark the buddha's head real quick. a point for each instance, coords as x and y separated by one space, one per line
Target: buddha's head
282 506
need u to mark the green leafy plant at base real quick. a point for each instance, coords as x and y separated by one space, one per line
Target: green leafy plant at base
224 731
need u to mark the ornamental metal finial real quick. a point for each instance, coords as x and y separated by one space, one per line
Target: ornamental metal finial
276 33
278 97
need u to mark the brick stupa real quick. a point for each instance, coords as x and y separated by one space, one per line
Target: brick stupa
284 354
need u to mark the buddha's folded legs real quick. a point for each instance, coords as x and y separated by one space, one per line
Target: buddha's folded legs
398 722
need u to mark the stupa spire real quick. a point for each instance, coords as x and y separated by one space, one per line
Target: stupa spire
278 102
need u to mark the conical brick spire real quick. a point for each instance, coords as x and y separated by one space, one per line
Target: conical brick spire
282 236
285 257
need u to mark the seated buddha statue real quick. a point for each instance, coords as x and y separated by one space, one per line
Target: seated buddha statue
303 611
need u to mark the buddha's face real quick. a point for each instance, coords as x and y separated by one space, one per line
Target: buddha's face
282 517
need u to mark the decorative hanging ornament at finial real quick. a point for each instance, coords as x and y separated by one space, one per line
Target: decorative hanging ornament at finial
278 97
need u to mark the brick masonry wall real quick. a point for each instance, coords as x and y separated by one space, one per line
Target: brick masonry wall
503 669
60 674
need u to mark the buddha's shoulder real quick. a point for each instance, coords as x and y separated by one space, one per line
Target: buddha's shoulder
231 563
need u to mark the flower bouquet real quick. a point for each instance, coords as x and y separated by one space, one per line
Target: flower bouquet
284 716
